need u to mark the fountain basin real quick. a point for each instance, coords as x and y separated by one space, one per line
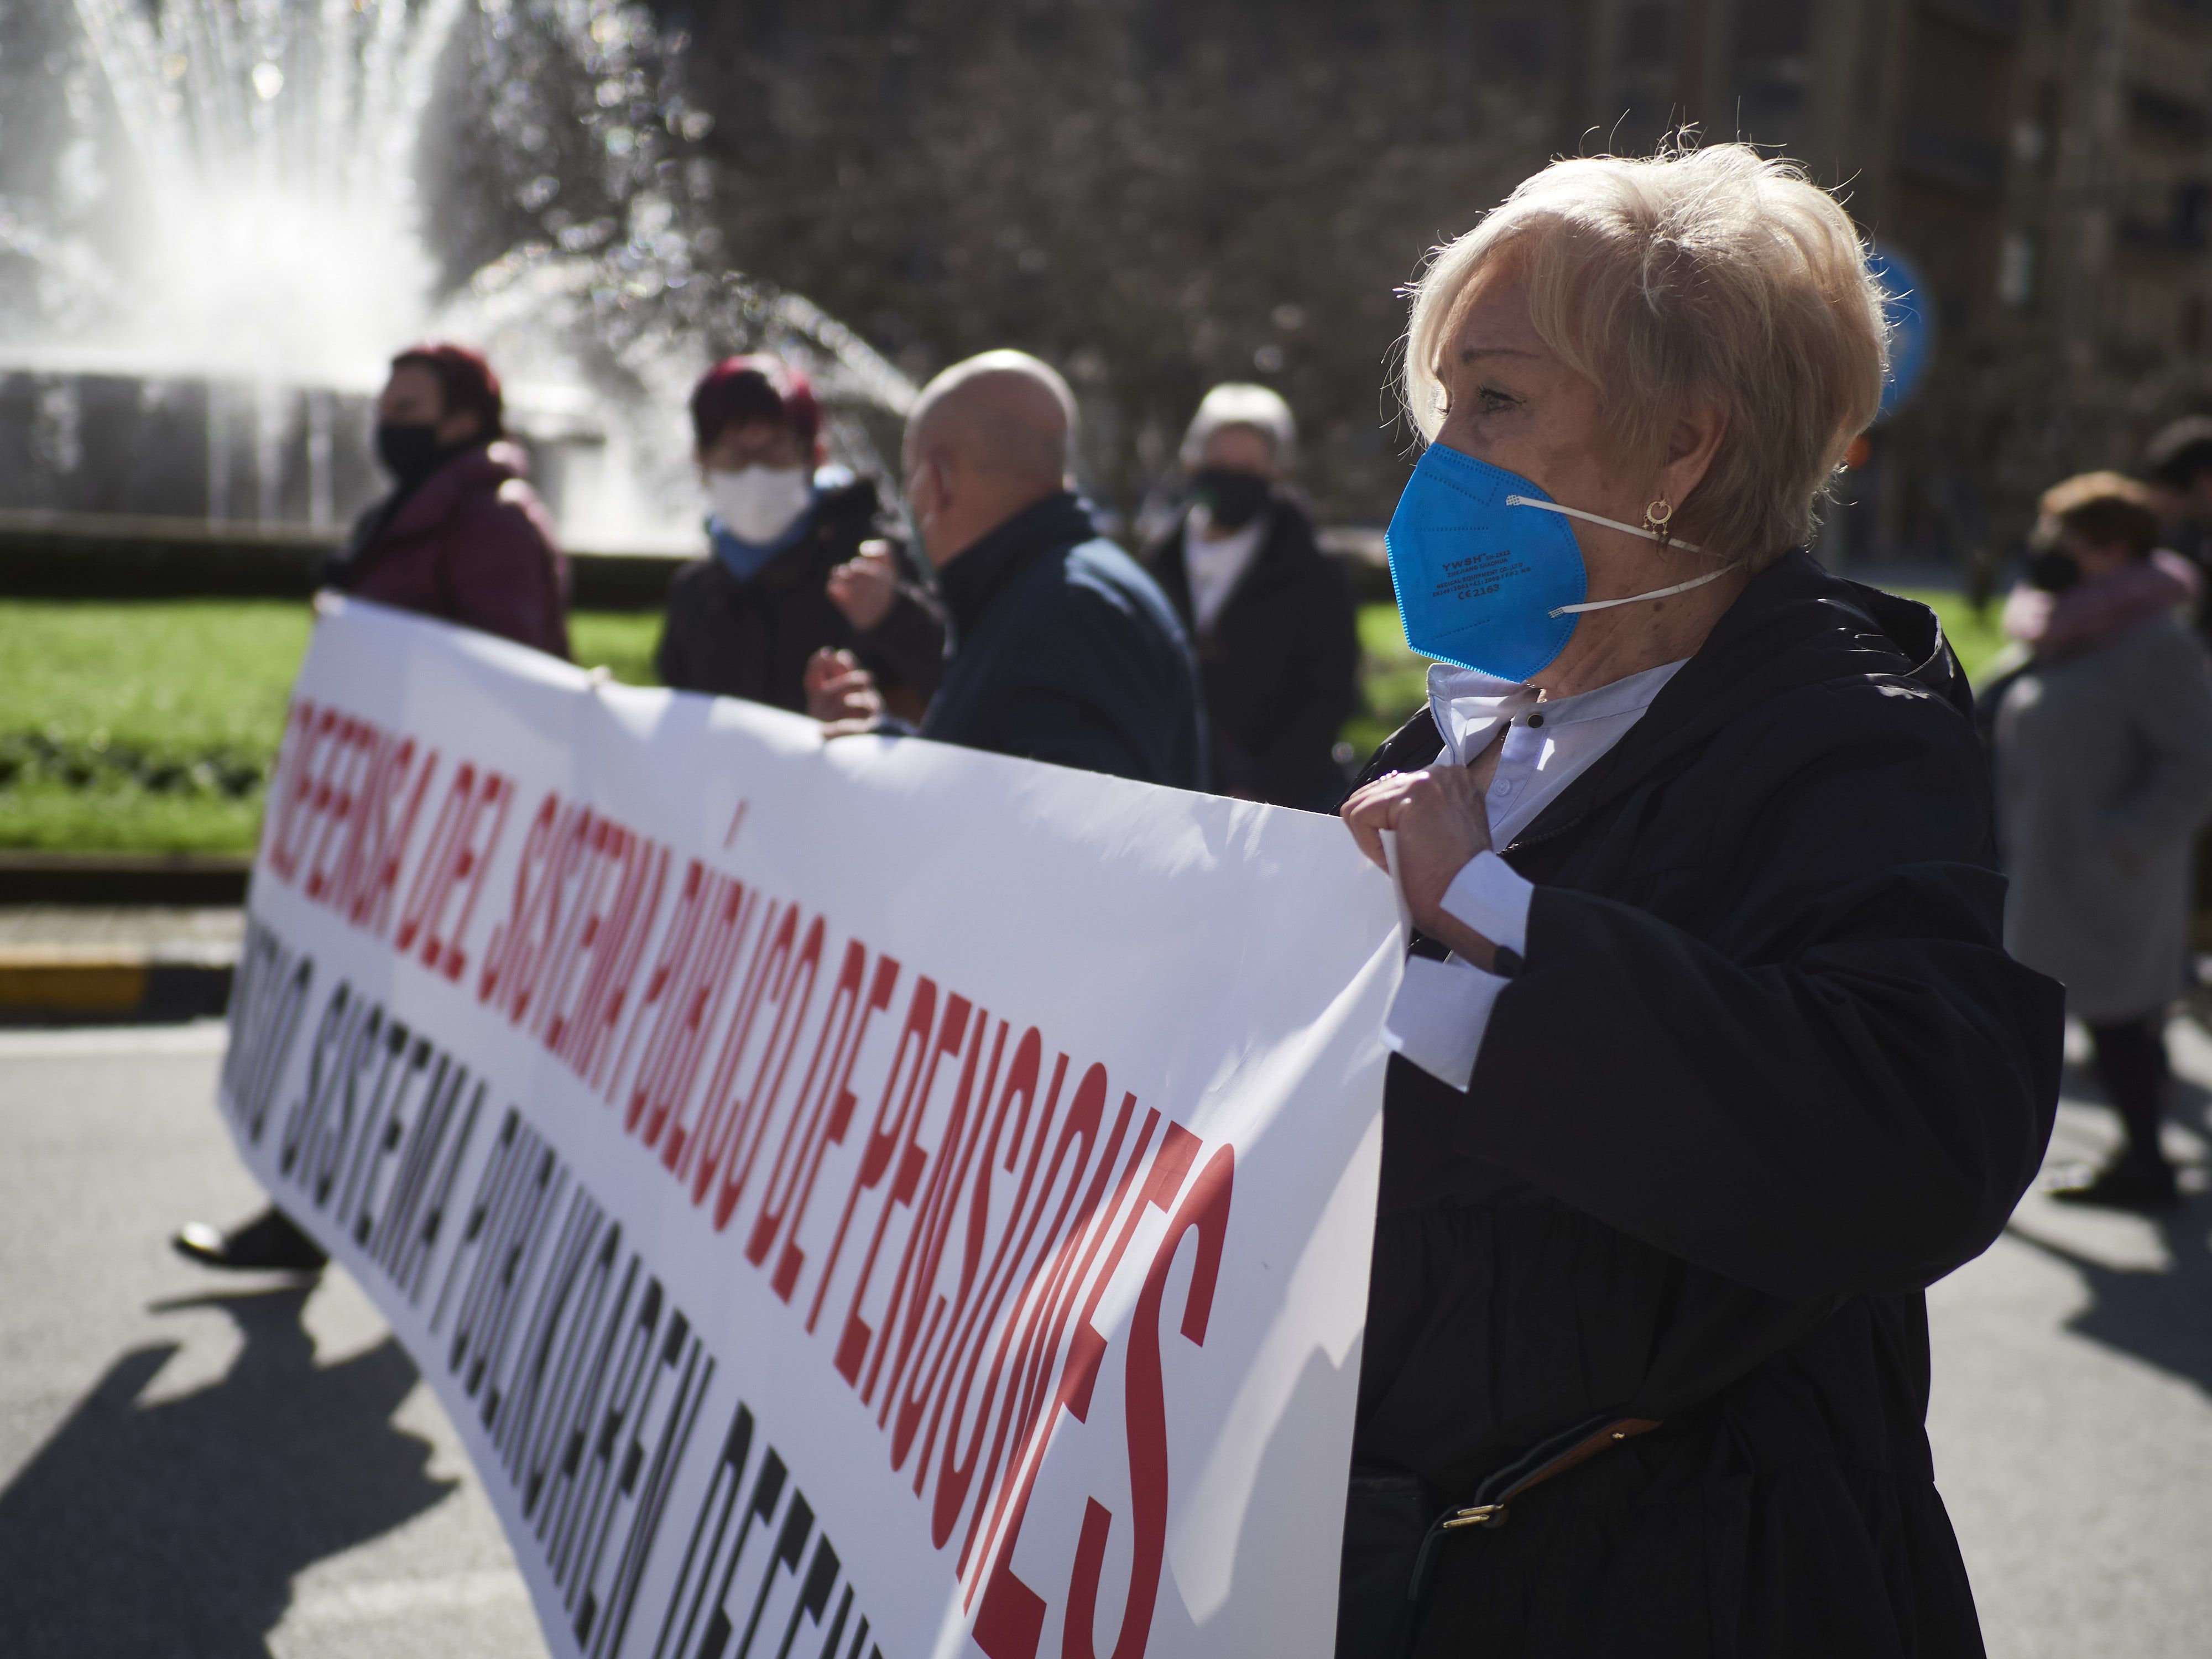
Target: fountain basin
50 555
120 486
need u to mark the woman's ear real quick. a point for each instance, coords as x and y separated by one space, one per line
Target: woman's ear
1690 447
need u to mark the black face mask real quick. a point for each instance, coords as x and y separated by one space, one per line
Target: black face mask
409 450
1232 499
2052 569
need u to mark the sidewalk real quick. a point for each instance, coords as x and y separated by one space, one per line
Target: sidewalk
66 964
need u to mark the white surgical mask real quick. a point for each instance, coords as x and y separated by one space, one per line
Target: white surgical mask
759 503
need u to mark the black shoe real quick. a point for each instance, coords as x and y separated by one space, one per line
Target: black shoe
2136 1184
270 1242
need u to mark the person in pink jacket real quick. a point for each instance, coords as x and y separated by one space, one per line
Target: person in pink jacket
462 535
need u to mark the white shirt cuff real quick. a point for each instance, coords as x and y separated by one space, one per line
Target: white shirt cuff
1490 896
1438 1018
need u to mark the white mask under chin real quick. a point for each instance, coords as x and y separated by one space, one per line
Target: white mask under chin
760 503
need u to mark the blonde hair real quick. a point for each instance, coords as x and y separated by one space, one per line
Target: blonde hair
1713 277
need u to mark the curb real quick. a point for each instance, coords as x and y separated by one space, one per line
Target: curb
96 556
123 880
62 984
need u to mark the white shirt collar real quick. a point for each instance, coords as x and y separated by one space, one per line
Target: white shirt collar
1470 707
1550 744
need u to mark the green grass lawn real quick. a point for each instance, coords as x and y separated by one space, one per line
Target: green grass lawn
143 726
621 641
151 726
1976 635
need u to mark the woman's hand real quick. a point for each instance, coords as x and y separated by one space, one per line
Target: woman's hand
1441 824
842 694
864 587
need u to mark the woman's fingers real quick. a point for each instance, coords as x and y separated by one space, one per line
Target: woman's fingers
1443 826
1437 814
1373 809
1453 787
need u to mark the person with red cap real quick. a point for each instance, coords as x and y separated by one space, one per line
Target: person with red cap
462 535
798 560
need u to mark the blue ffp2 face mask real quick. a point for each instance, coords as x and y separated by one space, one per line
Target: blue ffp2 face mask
1487 572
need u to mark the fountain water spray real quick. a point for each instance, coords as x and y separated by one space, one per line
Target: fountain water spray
279 240
272 256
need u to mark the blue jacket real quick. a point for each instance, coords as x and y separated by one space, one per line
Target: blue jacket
1064 650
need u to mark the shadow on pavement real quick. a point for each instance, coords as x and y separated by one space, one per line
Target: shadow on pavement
2162 1315
176 1527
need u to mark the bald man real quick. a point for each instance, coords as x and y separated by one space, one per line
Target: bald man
1063 648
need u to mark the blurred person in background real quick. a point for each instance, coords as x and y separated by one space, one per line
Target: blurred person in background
2177 466
1269 615
797 560
462 536
1709 1054
1063 649
2104 777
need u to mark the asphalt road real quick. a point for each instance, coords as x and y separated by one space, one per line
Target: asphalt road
192 1468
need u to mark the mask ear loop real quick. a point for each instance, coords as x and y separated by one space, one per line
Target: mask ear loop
1648 534
1656 593
1656 531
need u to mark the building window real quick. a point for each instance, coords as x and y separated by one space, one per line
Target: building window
2016 270
1773 68
2192 214
1644 75
2050 115
1646 32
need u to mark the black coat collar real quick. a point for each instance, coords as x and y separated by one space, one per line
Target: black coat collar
1794 625
989 565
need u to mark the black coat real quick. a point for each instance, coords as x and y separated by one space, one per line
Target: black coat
1766 1074
752 639
1064 650
1280 670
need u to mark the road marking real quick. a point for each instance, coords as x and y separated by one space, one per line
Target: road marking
198 1036
65 982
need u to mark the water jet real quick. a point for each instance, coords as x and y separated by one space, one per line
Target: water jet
227 239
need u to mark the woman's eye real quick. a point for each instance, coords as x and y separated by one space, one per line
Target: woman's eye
1492 401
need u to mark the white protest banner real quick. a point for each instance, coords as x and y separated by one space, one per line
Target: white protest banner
869 1198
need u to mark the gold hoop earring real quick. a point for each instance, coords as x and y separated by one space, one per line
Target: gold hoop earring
1656 518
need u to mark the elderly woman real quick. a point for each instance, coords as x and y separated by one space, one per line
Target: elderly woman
2104 773
1710 1057
1269 614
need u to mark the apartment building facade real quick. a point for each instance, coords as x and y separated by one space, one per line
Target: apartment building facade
2045 165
